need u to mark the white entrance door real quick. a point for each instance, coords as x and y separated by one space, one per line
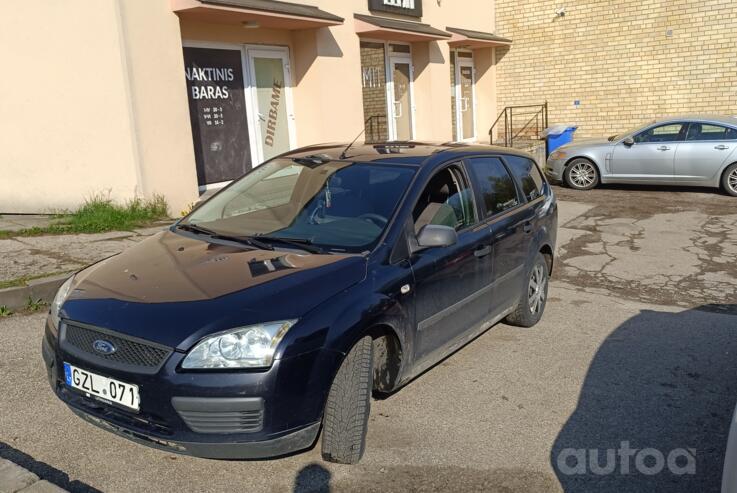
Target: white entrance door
465 94
270 101
399 96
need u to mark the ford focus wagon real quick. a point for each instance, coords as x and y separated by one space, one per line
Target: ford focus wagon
275 309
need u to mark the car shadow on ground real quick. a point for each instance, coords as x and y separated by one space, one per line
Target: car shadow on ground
44 471
312 478
656 405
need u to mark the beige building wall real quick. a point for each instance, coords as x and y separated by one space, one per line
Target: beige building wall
93 103
94 99
64 99
626 62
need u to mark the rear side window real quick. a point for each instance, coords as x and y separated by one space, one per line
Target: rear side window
704 131
528 175
498 192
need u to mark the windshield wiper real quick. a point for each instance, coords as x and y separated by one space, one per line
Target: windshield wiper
247 240
302 243
194 228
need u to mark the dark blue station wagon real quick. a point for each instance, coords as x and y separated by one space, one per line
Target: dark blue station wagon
277 307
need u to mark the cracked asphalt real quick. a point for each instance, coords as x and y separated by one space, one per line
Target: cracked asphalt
668 247
637 345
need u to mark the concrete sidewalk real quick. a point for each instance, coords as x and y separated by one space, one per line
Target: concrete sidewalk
34 266
14 478
18 222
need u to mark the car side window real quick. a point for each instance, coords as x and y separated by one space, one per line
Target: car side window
670 132
705 131
528 175
447 200
498 192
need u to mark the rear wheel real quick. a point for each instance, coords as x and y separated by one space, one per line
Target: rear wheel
347 409
581 174
532 301
729 180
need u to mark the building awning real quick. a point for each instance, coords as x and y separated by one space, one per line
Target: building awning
393 29
270 14
475 39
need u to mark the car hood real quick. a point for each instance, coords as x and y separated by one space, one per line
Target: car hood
587 143
173 289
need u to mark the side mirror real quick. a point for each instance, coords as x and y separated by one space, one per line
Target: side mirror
432 235
629 142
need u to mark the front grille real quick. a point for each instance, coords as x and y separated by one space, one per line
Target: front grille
130 353
224 422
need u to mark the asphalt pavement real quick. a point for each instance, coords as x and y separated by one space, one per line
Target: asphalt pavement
493 417
608 373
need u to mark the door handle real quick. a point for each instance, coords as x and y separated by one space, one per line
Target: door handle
527 228
482 251
664 148
721 147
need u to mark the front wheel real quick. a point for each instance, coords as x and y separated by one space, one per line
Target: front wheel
581 174
532 301
729 180
347 409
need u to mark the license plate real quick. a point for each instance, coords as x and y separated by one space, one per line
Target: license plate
104 388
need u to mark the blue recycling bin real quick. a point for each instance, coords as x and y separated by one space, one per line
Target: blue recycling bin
557 136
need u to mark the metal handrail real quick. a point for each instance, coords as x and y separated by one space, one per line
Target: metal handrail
539 116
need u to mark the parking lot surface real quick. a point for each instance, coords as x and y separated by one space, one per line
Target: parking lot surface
637 345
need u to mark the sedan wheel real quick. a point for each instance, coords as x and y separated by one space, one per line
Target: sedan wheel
733 181
729 180
582 174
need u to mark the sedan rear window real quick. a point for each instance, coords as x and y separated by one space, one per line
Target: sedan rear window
704 131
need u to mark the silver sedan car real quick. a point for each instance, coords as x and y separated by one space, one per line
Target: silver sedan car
695 150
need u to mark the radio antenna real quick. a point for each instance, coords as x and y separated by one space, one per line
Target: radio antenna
343 154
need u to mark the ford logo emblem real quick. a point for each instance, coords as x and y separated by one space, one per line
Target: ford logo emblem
104 347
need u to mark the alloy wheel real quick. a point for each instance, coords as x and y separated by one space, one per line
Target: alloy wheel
536 289
583 174
732 180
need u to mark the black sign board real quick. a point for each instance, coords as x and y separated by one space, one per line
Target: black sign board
405 7
217 110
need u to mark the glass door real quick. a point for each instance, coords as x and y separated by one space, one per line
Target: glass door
465 93
270 82
401 103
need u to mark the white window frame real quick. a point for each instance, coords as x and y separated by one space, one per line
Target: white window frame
457 92
389 90
254 129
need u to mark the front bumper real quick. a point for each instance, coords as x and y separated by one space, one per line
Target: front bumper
284 445
291 395
554 170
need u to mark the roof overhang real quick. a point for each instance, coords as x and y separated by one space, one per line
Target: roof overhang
372 26
465 38
269 14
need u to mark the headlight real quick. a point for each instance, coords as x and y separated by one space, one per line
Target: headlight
244 347
59 299
558 155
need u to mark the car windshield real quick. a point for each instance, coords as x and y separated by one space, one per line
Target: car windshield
334 205
630 131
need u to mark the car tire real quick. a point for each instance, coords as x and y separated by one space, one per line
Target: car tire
534 296
581 174
729 180
345 422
